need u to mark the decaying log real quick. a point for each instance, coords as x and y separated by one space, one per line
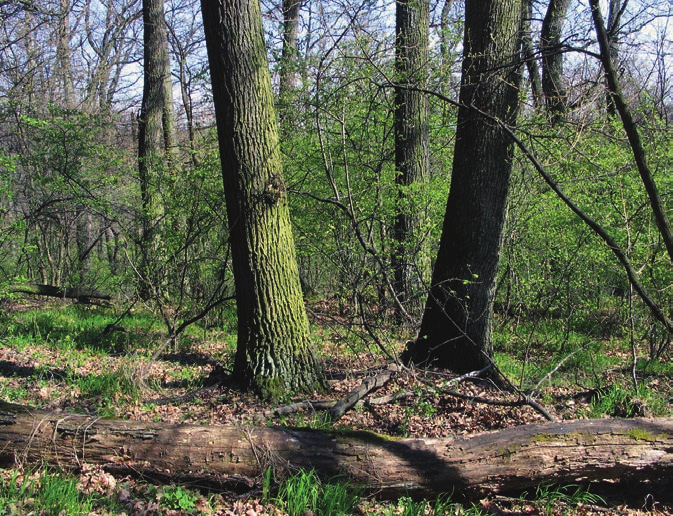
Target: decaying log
502 461
83 295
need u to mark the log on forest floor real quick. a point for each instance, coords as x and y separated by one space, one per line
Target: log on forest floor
83 295
507 460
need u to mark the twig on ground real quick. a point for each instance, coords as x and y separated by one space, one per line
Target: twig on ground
312 405
369 384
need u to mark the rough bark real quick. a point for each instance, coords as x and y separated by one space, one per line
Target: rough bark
508 460
456 327
155 136
412 153
553 85
532 65
290 52
274 347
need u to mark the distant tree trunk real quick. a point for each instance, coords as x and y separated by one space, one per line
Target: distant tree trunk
274 352
84 240
411 144
528 49
290 52
615 9
456 327
445 44
83 295
155 134
509 460
555 94
63 61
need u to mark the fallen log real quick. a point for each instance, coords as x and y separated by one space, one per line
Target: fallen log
83 295
507 460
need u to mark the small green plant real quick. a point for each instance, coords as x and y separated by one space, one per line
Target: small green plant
406 506
570 495
179 499
305 492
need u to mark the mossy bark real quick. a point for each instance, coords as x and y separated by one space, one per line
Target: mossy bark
274 352
412 153
156 138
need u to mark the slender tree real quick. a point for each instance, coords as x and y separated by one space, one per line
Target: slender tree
156 139
630 127
532 64
411 140
290 52
274 347
553 81
456 327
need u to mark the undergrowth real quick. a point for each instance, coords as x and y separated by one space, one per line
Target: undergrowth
72 351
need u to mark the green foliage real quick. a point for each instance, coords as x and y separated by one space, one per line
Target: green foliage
71 327
618 401
554 268
46 493
305 492
179 499
66 178
569 496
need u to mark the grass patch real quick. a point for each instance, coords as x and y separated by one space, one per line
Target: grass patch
620 401
305 492
73 327
44 492
550 497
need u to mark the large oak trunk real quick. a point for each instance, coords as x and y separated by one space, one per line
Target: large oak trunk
507 460
273 351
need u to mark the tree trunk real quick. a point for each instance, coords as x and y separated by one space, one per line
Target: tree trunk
290 52
504 461
555 94
63 62
528 50
445 45
411 145
155 134
456 327
615 8
274 348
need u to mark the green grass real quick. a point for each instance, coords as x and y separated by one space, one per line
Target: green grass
110 386
72 327
47 493
305 491
620 401
550 496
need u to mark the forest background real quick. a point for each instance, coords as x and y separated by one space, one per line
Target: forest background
80 210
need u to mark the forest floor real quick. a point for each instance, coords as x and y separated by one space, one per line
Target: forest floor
177 387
